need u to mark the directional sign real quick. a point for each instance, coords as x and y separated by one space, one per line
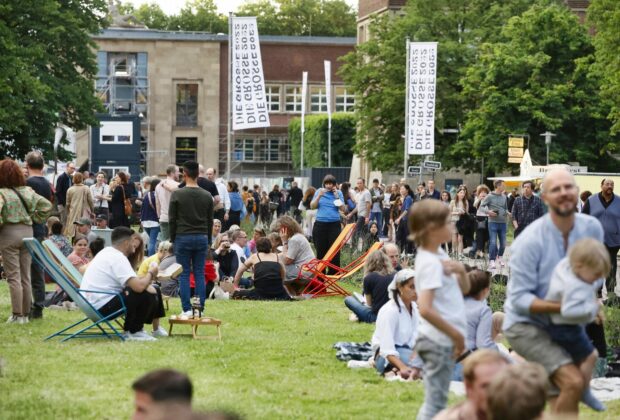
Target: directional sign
514 160
516 152
429 164
414 170
515 142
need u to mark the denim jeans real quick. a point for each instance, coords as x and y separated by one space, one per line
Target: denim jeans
364 313
190 251
404 354
153 233
438 368
496 230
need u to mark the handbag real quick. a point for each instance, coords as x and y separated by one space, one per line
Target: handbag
301 206
126 203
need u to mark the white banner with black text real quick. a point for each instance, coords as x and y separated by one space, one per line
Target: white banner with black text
328 90
249 104
304 93
422 65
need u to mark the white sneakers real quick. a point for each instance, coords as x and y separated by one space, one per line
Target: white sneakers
139 336
492 265
14 319
160 332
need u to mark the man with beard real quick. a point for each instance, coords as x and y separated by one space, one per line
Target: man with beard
535 253
605 206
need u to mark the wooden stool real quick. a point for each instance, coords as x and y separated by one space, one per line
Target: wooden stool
195 323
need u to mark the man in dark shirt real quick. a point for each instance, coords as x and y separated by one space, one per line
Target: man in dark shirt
63 183
256 195
40 185
296 195
191 224
376 293
205 184
526 208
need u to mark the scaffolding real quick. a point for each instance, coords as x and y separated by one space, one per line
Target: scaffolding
123 87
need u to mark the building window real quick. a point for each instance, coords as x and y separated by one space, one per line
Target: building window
318 99
111 171
187 105
345 100
293 98
244 150
187 149
273 98
116 132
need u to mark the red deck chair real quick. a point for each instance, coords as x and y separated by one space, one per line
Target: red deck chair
321 284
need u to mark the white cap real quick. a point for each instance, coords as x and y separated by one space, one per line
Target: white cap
401 277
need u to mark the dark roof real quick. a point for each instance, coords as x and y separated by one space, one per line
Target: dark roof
152 34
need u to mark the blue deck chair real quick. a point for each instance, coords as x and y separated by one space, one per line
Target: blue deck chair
94 319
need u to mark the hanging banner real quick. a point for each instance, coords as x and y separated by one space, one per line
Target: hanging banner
304 92
328 91
422 77
249 105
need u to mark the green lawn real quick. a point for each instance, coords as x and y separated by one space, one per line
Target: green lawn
275 361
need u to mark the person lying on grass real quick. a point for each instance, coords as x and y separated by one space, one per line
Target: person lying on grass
397 329
268 275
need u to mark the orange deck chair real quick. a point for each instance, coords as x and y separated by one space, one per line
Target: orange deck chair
321 284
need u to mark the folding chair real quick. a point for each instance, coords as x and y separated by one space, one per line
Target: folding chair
321 285
65 264
94 319
320 264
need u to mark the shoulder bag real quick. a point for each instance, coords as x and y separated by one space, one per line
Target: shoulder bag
126 202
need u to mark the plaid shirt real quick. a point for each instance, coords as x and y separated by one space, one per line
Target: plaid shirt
526 210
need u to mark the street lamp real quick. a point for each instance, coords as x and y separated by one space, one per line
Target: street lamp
547 135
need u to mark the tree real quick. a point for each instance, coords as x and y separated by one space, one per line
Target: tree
199 15
47 70
376 71
535 79
315 140
604 16
152 16
302 17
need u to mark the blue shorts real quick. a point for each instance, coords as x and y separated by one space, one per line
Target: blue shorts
573 339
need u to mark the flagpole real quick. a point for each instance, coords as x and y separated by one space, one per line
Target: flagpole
406 113
328 93
304 88
229 130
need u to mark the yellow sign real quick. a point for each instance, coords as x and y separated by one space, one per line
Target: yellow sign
515 152
514 160
515 142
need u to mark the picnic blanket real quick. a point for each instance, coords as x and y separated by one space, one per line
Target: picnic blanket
353 351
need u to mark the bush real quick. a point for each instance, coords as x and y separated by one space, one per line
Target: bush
315 140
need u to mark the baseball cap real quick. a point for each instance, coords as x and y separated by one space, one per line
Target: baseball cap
401 277
101 217
83 221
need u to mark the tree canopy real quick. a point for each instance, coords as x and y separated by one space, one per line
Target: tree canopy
275 17
47 69
503 67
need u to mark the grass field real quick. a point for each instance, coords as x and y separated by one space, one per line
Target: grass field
275 361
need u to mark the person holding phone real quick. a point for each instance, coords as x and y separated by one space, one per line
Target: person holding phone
328 201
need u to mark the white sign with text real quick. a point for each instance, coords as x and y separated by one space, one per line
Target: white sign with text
422 65
249 104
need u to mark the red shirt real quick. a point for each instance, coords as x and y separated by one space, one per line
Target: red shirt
210 274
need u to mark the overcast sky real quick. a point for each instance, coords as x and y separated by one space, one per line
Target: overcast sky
224 6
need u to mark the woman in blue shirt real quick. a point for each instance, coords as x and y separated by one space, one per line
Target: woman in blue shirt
402 231
236 205
328 201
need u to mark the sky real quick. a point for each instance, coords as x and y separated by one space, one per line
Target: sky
224 6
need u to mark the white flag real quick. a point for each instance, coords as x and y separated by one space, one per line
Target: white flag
249 105
304 92
328 91
422 76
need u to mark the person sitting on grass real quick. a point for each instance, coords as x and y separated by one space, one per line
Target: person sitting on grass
518 392
212 275
378 274
226 258
276 242
163 258
158 391
479 369
79 258
296 251
396 331
60 240
259 232
111 271
268 275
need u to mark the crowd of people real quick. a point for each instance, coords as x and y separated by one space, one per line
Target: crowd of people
432 319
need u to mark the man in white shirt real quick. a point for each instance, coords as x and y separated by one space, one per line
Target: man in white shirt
239 240
364 203
163 192
110 271
223 207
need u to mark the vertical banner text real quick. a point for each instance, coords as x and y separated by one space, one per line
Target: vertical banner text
422 60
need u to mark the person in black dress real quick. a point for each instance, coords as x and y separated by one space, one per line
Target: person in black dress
117 204
268 275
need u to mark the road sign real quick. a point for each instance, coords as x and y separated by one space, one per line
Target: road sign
414 170
429 164
516 152
514 160
515 142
